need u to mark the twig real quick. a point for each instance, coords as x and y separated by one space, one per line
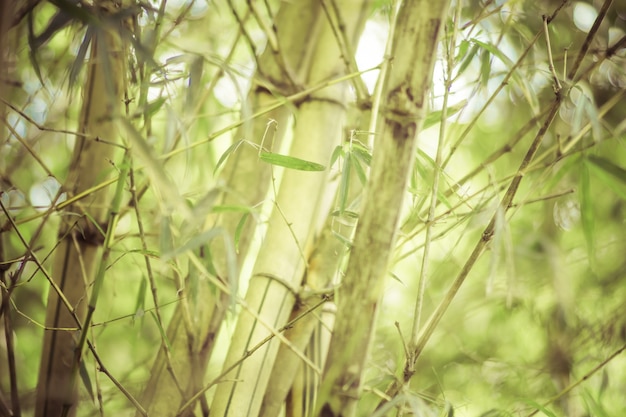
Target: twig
557 83
592 33
40 126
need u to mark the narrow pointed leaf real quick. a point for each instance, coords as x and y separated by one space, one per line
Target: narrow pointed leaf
194 243
84 376
239 230
610 174
467 60
345 183
586 204
336 154
362 153
435 117
609 167
162 331
141 296
290 162
231 208
232 148
153 107
360 172
493 50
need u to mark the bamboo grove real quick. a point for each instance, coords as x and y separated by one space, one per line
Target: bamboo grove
312 208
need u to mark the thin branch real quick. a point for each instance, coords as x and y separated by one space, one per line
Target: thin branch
40 126
557 83
587 44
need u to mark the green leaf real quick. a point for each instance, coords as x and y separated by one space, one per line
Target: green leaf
595 406
80 60
539 407
435 117
344 186
586 209
141 295
362 153
397 279
239 230
84 376
493 50
155 106
232 148
165 244
467 60
162 332
95 224
193 243
611 174
463 48
343 239
346 213
336 154
290 162
360 172
485 68
232 208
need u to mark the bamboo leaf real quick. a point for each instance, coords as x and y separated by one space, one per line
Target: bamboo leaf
539 407
595 406
463 48
428 161
397 279
57 23
231 267
231 208
336 154
344 186
467 60
347 242
362 153
485 67
153 107
493 50
194 243
586 205
72 9
84 376
165 243
435 117
360 172
141 297
232 148
610 173
239 230
162 331
196 68
346 213
32 49
290 162
95 223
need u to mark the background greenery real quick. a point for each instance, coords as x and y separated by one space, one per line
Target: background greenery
541 310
